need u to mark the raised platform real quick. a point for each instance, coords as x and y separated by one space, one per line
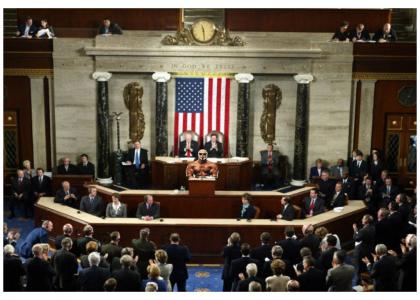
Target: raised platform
205 237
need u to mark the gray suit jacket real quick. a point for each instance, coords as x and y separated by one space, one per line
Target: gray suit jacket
120 213
264 162
339 279
94 208
335 171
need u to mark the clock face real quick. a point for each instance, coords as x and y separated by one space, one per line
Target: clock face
407 96
203 30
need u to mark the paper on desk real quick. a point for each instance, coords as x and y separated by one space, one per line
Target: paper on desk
338 209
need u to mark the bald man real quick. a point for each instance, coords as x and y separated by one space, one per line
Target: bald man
67 168
386 34
67 195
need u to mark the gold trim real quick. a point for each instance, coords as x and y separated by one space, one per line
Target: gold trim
203 74
384 76
27 72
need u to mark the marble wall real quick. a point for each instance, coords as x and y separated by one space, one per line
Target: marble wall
270 57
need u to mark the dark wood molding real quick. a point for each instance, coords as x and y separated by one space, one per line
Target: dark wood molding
357 115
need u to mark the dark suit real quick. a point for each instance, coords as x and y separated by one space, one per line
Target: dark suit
248 213
93 278
214 152
288 212
182 152
112 250
89 169
65 265
93 207
396 230
375 170
239 266
59 197
39 275
326 189
178 256
366 236
339 279
37 235
273 170
311 241
338 171
341 36
21 187
113 28
81 244
137 177
390 37
360 36
318 208
291 248
145 250
12 272
43 186
338 200
71 170
230 253
384 273
84 262
153 211
312 280
370 198
58 240
128 280
349 188
357 172
315 173
324 262
266 271
385 196
243 285
408 266
261 253
382 232
32 30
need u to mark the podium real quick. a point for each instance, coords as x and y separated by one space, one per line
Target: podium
203 186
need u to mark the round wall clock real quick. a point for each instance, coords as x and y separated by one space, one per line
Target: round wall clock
407 96
203 30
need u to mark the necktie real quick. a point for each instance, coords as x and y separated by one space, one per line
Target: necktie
341 172
40 179
20 180
388 190
188 150
358 164
137 159
270 160
311 206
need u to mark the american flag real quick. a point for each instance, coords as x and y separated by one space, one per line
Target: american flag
202 105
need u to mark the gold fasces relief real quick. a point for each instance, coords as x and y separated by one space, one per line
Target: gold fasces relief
133 94
272 99
221 38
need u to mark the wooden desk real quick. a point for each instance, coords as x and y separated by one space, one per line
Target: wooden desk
169 173
204 237
223 204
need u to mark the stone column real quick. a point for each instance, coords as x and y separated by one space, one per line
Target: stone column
242 135
161 116
367 99
300 156
102 109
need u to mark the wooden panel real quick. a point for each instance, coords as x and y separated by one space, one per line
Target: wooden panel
412 123
28 53
303 20
64 20
395 123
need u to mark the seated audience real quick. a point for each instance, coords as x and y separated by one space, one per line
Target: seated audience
340 276
161 259
188 147
339 198
359 34
21 191
288 212
65 265
310 240
116 209
109 28
27 30
341 35
231 252
110 285
290 245
386 34
67 168
262 252
13 270
326 187
87 237
67 195
339 169
45 31
364 239
277 282
92 246
128 279
311 279
214 148
37 236
85 166
145 250
238 265
316 171
313 204
247 210
251 275
92 203
41 185
178 256
39 273
112 249
92 279
384 269
387 193
270 165
154 276
148 209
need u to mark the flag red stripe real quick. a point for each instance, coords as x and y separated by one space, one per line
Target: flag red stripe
219 103
227 107
201 127
176 135
210 105
184 122
193 122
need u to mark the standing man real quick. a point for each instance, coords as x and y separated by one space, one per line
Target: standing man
138 166
178 256
92 203
85 166
270 165
340 276
41 184
21 190
67 168
213 147
364 242
188 147
38 235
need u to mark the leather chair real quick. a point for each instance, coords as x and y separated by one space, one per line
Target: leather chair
220 137
257 212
